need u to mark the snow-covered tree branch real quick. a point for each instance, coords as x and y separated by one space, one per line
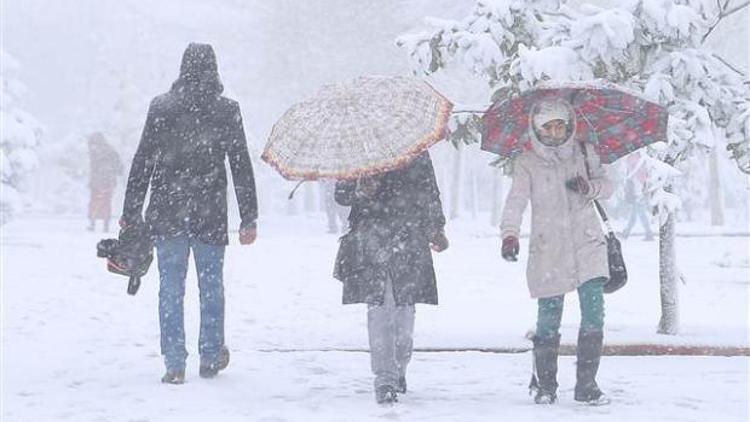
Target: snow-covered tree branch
19 139
654 47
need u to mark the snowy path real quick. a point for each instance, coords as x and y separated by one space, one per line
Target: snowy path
335 386
75 345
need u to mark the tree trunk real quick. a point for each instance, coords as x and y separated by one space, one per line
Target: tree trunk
473 188
714 188
668 278
456 178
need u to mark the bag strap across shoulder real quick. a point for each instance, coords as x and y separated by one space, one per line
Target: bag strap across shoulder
599 207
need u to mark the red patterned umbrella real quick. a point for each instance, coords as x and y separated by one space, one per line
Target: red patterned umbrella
614 120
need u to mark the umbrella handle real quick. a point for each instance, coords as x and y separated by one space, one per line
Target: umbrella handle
291 194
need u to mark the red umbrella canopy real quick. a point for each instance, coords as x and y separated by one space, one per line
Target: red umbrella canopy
614 120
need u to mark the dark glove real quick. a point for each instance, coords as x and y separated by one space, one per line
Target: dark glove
510 248
578 184
439 242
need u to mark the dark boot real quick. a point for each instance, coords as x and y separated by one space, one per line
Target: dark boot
174 376
544 381
386 394
588 355
210 369
401 389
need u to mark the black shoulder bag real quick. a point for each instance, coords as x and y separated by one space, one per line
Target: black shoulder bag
618 274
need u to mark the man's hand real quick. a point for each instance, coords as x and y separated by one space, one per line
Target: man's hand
439 242
248 234
510 248
127 223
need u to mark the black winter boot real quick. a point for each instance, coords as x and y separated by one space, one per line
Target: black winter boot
174 376
588 355
544 380
386 394
211 369
401 388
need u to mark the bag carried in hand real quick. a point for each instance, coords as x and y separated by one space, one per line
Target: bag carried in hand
129 255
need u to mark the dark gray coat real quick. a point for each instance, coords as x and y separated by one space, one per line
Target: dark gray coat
189 133
389 236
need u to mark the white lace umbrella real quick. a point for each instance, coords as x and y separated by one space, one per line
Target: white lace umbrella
358 128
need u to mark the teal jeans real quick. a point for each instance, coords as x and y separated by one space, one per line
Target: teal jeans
591 297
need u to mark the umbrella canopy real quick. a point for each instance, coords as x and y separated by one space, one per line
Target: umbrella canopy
358 128
615 120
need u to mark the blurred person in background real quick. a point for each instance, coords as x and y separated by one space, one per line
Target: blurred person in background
104 169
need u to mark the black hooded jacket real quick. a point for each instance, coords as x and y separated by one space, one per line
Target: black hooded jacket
189 132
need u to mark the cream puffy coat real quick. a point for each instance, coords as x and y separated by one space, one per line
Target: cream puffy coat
567 245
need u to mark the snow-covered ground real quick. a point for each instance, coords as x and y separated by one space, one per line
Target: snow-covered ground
122 385
76 347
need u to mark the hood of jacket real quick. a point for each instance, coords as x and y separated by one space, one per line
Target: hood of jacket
199 83
554 154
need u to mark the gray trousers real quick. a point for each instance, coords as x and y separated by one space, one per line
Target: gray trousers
390 328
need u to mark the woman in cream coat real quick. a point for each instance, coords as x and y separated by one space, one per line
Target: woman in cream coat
567 248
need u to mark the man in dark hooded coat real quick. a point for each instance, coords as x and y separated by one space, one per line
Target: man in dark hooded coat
189 132
385 261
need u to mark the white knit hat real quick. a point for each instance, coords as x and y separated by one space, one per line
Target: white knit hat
548 110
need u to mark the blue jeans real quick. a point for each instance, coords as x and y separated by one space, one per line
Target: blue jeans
638 211
591 298
173 263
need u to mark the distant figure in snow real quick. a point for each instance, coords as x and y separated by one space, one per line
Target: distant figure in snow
104 169
189 132
335 213
385 261
567 247
634 196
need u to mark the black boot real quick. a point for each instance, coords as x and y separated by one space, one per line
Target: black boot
544 380
174 376
210 369
386 394
401 388
588 355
